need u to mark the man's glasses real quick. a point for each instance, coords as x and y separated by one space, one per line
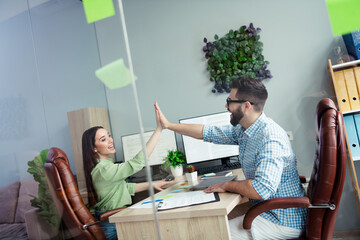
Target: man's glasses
229 100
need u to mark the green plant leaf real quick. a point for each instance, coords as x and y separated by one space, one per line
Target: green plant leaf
174 158
43 201
237 53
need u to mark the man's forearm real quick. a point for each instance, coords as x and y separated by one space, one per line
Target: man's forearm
191 130
243 188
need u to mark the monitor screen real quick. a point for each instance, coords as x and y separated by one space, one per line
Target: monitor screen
200 151
131 145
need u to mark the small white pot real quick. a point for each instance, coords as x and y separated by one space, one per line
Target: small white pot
191 177
176 171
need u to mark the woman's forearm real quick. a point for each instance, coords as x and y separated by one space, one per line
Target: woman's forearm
154 139
139 187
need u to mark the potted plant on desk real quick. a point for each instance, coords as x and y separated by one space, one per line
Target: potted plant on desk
191 174
175 160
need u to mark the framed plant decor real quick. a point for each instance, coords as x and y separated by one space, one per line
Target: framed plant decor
238 53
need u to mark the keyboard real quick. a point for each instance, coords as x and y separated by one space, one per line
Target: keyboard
218 168
159 176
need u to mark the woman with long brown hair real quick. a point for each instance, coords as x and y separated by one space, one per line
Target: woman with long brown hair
105 180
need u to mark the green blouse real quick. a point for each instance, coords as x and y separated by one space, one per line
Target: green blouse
109 182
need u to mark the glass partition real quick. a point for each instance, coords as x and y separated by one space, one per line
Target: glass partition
49 55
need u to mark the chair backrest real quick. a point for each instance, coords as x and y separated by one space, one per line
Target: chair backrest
328 176
67 198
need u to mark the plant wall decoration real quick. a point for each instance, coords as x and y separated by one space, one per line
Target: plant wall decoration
238 53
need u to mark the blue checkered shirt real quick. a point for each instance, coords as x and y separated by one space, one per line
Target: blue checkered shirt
267 158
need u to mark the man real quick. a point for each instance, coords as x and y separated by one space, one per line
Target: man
267 160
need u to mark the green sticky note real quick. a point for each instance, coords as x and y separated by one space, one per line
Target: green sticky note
169 196
115 74
98 9
344 15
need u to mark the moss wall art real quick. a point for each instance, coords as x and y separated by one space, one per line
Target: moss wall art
238 53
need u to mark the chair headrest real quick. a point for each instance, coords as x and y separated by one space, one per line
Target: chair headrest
324 105
56 153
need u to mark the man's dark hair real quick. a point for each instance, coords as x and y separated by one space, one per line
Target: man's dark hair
252 90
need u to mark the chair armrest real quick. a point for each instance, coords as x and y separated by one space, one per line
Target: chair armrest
107 214
275 203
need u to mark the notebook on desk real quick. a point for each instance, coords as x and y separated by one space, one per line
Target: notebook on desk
210 181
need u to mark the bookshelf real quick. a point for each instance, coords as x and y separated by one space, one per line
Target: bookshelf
345 82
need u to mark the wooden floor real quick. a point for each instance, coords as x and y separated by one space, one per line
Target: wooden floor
347 235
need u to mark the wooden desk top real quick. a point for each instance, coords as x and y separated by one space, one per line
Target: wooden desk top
223 207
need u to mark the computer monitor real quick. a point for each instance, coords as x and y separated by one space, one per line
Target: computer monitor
131 145
197 151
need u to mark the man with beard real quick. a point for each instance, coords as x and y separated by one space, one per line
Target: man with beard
267 160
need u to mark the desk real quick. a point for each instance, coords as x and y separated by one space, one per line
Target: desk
205 221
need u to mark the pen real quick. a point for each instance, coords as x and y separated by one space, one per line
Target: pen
158 200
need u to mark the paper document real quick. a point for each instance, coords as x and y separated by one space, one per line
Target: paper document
188 199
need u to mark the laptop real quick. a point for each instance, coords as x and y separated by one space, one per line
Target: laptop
210 181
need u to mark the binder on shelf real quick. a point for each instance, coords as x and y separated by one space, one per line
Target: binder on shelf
352 43
352 136
341 91
357 125
357 78
352 89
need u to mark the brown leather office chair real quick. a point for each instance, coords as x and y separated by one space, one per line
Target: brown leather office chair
327 178
64 191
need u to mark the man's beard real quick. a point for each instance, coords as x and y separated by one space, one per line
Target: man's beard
237 115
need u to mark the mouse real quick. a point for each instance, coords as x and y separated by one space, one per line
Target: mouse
169 178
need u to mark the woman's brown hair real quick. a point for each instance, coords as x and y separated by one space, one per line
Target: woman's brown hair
90 160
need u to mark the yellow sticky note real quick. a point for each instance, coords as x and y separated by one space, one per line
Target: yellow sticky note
344 15
115 74
98 9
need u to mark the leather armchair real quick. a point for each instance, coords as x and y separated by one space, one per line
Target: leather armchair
327 178
65 194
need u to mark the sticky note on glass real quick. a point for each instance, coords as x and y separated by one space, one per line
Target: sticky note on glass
98 9
344 15
115 74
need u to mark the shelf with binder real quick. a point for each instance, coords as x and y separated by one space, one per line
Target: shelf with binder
345 82
351 112
352 125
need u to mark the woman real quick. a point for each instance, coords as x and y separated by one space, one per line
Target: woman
105 180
